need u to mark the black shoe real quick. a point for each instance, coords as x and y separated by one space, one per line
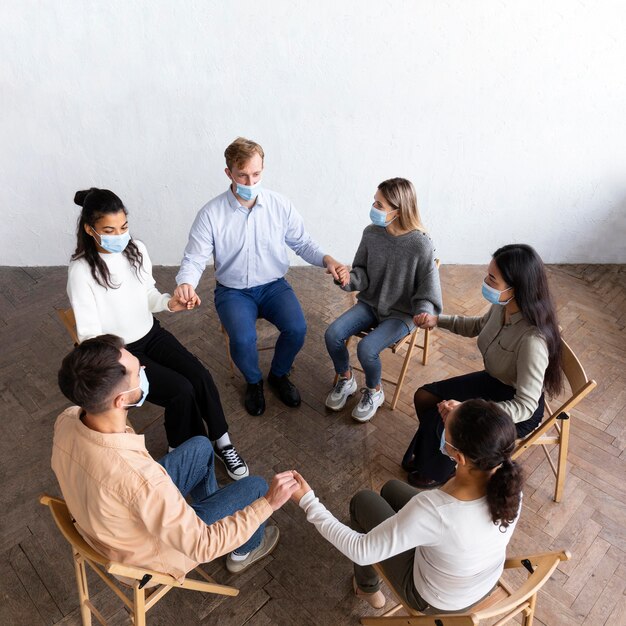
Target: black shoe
235 466
423 482
287 391
255 400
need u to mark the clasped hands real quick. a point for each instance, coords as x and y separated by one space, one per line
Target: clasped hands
185 298
284 486
338 271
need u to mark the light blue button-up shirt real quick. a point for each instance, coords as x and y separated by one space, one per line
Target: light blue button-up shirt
248 245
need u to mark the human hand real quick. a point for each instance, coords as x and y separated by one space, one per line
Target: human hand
333 267
174 305
303 487
187 296
281 488
424 320
344 275
446 407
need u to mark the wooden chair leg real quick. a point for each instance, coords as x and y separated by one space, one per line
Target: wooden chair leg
83 590
426 346
561 467
227 346
405 367
139 606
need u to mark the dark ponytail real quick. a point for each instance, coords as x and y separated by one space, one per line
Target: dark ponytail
486 435
95 203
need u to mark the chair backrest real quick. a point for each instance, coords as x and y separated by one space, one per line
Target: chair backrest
572 368
69 321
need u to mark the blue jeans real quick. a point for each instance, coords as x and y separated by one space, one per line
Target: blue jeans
190 466
363 317
239 309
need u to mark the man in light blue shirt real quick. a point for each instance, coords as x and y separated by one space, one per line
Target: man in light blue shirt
245 229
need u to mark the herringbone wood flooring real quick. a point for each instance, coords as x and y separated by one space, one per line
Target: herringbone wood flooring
306 581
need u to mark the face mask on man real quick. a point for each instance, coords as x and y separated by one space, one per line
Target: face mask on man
248 192
379 218
114 243
493 295
144 385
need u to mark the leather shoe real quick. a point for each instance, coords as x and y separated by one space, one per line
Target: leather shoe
255 400
423 482
287 391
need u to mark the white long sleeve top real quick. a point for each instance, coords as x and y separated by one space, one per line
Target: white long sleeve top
459 551
125 311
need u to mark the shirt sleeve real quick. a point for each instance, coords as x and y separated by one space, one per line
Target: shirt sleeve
462 325
171 520
83 302
427 296
531 363
359 280
418 523
157 301
198 252
299 240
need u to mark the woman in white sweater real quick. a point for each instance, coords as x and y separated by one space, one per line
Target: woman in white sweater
442 550
112 291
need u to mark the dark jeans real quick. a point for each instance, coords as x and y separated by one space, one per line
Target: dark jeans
429 461
182 385
368 510
239 309
191 469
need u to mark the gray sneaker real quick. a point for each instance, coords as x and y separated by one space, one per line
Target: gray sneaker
344 388
368 404
267 545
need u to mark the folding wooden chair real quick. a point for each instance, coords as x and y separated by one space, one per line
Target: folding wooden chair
406 344
504 602
142 599
559 419
69 321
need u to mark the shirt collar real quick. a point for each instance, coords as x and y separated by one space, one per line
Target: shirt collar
514 319
123 441
234 203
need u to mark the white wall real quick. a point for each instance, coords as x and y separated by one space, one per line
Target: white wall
509 117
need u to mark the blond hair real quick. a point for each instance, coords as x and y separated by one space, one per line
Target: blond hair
241 151
400 195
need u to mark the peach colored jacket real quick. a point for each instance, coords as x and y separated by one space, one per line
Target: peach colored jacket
127 507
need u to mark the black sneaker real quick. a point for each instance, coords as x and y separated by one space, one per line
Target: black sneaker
255 400
235 466
287 391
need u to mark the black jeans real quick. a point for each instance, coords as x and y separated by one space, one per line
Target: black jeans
429 461
182 385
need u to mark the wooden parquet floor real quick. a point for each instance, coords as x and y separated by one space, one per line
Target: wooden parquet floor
306 581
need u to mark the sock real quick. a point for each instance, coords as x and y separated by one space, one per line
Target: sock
239 557
223 441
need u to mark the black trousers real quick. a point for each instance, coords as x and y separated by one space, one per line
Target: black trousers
429 461
182 385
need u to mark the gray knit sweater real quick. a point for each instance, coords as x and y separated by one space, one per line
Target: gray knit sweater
396 276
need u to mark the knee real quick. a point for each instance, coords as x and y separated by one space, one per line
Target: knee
389 487
243 340
358 503
364 351
201 447
258 486
332 337
185 390
296 329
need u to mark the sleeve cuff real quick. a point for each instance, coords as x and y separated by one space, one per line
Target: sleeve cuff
262 509
307 499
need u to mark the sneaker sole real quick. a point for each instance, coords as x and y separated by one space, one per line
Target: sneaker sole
231 566
233 476
363 420
338 408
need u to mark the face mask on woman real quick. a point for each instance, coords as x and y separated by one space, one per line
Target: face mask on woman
379 218
248 192
493 295
114 243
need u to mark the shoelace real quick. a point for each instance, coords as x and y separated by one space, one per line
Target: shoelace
341 383
366 398
232 458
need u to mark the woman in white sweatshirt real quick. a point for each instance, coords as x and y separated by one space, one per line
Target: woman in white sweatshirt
112 291
443 550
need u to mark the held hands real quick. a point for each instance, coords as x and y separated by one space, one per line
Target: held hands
446 407
184 298
337 270
424 320
303 487
283 486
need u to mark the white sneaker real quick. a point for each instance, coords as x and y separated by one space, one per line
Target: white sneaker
344 388
368 404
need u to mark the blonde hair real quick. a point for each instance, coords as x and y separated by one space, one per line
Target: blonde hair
241 151
400 195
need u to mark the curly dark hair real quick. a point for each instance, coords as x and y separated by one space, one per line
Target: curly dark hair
95 203
523 269
486 435
91 372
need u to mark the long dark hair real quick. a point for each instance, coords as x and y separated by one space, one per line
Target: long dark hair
95 203
486 435
522 268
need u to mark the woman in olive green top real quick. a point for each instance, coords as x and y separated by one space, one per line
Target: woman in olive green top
521 347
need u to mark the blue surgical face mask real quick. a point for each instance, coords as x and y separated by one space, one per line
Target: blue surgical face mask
493 295
248 192
144 385
114 243
379 218
442 445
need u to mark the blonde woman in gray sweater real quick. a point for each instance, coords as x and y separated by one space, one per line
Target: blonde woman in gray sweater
395 273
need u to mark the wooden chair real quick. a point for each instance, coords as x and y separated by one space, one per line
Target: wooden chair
504 602
141 601
69 321
406 344
559 419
